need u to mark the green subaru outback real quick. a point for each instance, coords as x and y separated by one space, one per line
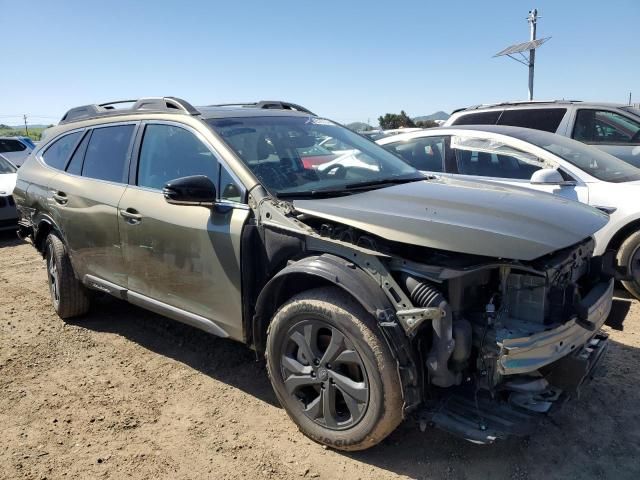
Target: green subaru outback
374 291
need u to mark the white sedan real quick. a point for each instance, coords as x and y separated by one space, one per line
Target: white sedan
8 212
540 161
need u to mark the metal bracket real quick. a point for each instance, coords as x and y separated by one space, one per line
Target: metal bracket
412 318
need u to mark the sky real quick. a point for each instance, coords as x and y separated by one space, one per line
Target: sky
348 60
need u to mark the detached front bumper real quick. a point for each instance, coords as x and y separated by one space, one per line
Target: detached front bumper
531 353
478 417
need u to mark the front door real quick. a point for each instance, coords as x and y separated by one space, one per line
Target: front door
492 160
186 257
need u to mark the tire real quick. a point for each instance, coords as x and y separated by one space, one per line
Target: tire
69 297
629 256
349 395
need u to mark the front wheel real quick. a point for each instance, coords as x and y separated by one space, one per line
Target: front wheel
332 371
629 256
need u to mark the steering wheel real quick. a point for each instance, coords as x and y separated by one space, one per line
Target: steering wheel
271 176
337 171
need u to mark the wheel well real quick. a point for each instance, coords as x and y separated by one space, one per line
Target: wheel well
44 228
622 234
289 286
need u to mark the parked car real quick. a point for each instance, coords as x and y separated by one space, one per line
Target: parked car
372 292
613 128
8 212
541 161
16 149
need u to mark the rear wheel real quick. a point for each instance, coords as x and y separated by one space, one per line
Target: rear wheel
332 371
69 296
629 256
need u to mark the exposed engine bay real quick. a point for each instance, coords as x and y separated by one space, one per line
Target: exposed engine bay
489 331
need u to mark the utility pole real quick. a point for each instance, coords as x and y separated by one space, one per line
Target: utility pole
26 129
533 20
530 46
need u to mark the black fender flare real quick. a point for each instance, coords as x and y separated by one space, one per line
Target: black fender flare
38 223
344 274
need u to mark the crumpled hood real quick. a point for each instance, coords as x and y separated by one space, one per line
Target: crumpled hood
7 183
476 217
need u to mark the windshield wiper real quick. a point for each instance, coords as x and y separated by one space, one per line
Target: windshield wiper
313 193
351 188
385 181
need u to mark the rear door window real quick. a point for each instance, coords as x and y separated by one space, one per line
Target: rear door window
547 119
605 127
57 154
478 118
107 153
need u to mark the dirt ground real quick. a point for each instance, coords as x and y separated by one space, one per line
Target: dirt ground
124 393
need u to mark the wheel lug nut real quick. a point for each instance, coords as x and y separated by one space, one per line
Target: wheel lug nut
329 366
316 362
313 374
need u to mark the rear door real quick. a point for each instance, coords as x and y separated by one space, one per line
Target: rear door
185 259
85 201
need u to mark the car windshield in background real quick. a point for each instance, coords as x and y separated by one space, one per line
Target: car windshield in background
28 141
595 162
287 155
6 166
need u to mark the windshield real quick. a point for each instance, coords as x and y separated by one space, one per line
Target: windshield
6 166
288 156
28 141
595 162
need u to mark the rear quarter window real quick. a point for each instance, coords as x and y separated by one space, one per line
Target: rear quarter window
57 154
478 118
546 119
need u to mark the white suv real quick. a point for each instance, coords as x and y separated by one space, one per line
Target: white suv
614 128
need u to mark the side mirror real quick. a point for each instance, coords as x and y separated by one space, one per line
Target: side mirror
196 190
548 176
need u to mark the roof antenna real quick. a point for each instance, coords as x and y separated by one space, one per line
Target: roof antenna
531 46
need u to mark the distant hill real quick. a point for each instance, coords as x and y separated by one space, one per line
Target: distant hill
434 116
21 127
359 126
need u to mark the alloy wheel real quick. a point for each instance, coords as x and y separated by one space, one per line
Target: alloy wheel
54 280
321 368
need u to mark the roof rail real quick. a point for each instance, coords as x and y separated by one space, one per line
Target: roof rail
515 102
268 104
155 104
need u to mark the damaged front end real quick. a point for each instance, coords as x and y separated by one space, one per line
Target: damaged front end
534 343
485 346
498 342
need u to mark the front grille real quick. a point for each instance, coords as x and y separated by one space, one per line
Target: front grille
7 201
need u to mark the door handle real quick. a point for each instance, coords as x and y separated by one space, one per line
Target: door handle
60 197
132 215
